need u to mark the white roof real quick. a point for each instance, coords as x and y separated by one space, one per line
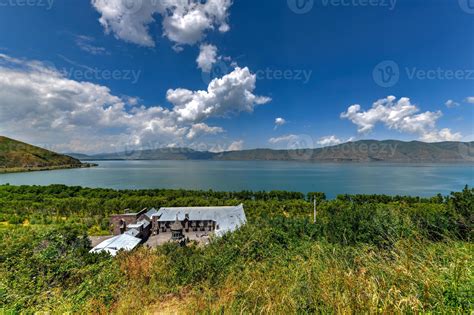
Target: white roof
116 243
139 224
227 218
132 232
151 212
145 223
135 225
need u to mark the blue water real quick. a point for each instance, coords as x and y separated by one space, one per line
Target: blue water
333 179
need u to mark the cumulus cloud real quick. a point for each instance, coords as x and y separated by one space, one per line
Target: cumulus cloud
441 135
40 105
183 21
207 57
236 146
451 104
332 140
279 122
329 141
400 115
233 93
202 128
222 147
470 99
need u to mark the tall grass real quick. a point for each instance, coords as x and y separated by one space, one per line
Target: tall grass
364 255
413 276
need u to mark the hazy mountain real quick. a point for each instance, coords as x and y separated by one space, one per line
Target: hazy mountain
360 151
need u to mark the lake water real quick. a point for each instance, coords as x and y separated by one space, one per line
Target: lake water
333 179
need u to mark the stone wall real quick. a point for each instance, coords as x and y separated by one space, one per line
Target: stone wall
127 218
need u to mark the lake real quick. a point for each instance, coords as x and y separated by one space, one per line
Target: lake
333 179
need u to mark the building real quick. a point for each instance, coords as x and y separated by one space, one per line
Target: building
215 220
116 243
171 224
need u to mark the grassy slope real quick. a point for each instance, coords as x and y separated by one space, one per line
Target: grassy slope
19 156
364 255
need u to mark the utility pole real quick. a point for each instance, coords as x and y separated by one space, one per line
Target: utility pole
314 200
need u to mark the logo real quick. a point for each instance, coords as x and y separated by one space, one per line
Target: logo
301 148
386 74
219 69
300 6
467 6
132 6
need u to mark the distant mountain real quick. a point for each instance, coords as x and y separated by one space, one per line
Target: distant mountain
158 154
16 156
360 151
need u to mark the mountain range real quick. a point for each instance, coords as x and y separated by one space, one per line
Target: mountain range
359 151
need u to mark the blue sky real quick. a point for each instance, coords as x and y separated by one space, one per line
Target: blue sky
93 76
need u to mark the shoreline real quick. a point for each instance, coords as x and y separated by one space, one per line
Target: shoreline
347 162
45 168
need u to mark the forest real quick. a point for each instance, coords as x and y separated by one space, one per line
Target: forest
365 253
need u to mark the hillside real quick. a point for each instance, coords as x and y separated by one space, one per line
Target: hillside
366 254
16 156
360 151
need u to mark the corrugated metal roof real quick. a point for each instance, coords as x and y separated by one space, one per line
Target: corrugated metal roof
116 243
227 218
132 232
151 212
137 225
145 223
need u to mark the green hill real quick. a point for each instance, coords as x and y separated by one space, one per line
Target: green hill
16 156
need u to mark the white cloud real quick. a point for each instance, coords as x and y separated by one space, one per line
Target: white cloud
233 93
183 21
220 147
207 57
236 146
85 43
441 135
451 104
398 115
279 122
329 141
284 139
332 140
200 129
470 99
42 106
